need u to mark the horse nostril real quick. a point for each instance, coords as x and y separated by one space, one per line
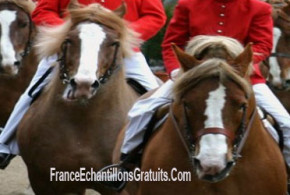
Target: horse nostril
73 83
96 84
17 63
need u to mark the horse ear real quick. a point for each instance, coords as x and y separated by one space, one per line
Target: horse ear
186 61
73 4
243 61
121 11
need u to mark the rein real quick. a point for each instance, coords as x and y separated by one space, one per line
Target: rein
29 41
64 75
189 141
278 54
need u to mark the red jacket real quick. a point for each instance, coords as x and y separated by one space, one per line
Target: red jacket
145 16
244 20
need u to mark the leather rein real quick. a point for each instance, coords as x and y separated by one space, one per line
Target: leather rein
238 139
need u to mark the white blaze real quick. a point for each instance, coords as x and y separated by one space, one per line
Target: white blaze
91 36
7 50
214 106
213 147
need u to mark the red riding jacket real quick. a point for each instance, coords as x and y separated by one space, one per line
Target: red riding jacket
145 16
244 20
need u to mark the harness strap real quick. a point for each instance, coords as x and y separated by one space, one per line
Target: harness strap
214 130
282 55
246 134
174 121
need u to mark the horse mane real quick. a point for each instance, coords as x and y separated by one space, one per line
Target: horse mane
50 38
213 67
27 5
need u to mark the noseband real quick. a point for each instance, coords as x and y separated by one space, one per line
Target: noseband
64 73
238 139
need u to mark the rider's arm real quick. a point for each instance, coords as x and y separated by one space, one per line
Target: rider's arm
48 12
151 17
177 32
261 32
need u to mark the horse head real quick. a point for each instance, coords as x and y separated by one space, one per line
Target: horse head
212 103
282 20
91 45
16 33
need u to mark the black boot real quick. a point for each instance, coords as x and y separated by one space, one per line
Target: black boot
128 163
5 159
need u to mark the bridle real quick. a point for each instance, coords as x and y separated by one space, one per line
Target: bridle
28 44
64 73
238 139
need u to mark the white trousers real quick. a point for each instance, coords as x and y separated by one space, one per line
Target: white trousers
143 110
269 102
136 68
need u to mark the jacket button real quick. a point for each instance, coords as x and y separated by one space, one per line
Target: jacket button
219 31
221 23
222 15
223 6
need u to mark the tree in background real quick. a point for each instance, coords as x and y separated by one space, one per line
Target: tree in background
152 48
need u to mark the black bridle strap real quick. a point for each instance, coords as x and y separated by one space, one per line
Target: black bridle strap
186 144
113 66
240 144
64 75
282 55
63 71
246 134
29 42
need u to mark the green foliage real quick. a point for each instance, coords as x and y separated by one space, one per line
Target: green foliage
152 48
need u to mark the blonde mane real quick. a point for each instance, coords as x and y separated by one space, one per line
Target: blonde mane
27 5
214 67
50 38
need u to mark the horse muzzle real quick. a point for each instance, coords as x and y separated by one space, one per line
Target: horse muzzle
77 90
213 173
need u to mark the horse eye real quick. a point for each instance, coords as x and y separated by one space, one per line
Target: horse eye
114 43
23 24
243 106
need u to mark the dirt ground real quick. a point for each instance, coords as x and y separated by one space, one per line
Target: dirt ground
14 180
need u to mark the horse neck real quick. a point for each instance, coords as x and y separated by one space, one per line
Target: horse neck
285 38
259 140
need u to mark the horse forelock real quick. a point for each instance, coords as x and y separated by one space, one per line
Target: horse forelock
50 38
27 5
215 66
211 68
200 43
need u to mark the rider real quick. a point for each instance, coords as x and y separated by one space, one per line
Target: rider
146 17
245 20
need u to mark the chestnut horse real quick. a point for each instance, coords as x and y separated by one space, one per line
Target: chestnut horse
75 122
277 68
213 130
17 63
